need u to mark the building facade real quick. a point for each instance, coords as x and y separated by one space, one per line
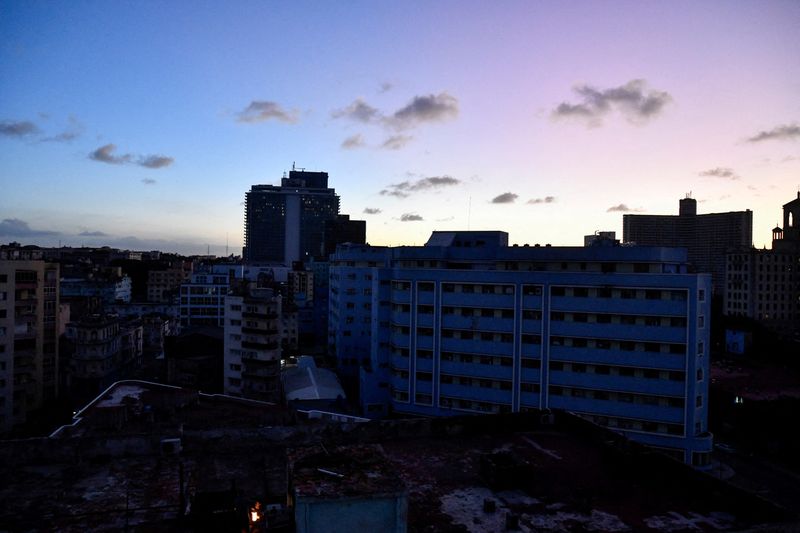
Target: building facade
202 300
29 311
285 223
707 238
253 344
764 285
619 335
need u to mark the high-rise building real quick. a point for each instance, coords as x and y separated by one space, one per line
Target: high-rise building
341 230
285 223
765 284
29 310
253 343
619 335
707 238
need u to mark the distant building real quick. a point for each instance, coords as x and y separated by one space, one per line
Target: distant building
601 238
617 334
340 230
285 223
109 289
163 286
765 284
105 349
29 316
253 344
203 299
305 386
707 238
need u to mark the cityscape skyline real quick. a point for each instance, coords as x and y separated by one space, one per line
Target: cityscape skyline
143 127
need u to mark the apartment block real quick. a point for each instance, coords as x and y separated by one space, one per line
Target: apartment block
203 299
466 323
253 344
29 310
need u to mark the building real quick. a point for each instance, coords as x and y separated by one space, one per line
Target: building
29 314
764 285
340 230
466 323
253 344
194 359
285 223
163 286
105 349
706 237
203 299
110 288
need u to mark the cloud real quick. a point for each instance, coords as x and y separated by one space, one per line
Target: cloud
719 172
622 208
778 133
505 198
262 110
396 142
92 234
545 200
73 131
430 108
632 100
15 227
155 161
22 128
148 181
371 210
410 217
359 111
385 87
353 142
406 188
105 154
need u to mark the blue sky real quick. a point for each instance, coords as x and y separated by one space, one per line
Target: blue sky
548 120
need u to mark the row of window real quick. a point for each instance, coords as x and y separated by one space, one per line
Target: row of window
636 425
623 371
624 397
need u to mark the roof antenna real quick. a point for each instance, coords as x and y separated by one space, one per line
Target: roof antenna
469 213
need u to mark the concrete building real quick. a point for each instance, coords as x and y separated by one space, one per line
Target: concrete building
105 349
203 299
163 286
707 238
114 287
285 223
764 285
617 334
341 230
29 311
253 344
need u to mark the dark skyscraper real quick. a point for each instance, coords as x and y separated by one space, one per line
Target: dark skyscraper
285 223
707 238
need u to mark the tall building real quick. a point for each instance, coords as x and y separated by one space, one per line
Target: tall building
706 237
285 223
619 335
29 310
765 284
341 230
253 344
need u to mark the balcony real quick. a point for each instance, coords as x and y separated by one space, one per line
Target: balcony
258 331
260 345
661 387
262 316
476 370
672 415
658 360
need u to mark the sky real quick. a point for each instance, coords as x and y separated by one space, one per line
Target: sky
141 125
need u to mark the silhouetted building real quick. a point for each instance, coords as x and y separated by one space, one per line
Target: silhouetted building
285 223
341 230
194 359
707 238
29 310
765 284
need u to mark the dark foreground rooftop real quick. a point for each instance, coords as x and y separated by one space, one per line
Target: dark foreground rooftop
472 473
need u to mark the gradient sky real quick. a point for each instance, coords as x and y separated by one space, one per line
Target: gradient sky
142 124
